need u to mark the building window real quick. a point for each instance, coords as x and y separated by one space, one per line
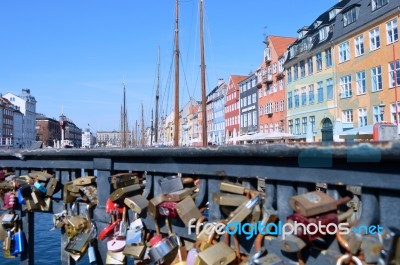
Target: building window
374 39
376 4
289 74
274 68
254 117
376 76
254 98
323 33
249 100
359 45
297 126
328 57
304 125
310 65
281 84
312 123
303 96
296 98
249 119
329 89
276 106
393 116
345 86
302 68
319 61
344 52
394 69
347 116
392 31
282 105
362 117
360 79
320 91
296 72
290 102
378 114
350 16
311 94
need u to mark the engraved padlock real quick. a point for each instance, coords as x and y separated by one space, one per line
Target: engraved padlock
122 193
124 179
315 203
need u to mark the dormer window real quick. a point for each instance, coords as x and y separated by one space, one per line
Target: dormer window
317 23
323 33
303 31
376 4
333 13
350 16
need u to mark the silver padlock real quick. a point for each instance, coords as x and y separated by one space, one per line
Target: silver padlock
163 248
262 257
170 184
135 233
390 253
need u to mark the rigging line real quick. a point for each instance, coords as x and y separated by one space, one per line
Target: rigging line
210 41
195 68
168 89
187 86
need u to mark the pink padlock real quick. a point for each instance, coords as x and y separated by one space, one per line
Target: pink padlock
9 200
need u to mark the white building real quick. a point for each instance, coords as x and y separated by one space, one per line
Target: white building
87 139
27 105
18 128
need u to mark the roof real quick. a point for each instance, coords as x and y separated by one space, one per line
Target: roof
365 16
281 44
238 78
313 30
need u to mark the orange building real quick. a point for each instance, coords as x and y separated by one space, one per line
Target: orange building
366 43
271 85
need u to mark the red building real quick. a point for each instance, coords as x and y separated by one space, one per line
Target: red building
271 85
232 107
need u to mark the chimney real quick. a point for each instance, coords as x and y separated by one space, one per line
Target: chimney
220 81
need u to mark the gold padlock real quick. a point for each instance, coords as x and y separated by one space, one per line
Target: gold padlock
187 210
152 207
179 195
137 203
224 199
135 251
218 254
84 181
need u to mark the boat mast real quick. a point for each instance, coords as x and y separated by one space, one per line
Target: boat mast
203 78
124 120
143 137
157 98
176 108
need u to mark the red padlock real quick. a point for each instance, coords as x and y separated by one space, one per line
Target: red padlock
108 229
112 207
311 228
9 200
167 209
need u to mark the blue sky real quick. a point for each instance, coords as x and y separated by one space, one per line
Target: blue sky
74 55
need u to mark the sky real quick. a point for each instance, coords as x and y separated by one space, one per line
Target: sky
75 55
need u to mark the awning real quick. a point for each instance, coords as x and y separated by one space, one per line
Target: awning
364 132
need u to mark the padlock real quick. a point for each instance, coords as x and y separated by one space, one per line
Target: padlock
226 199
292 243
115 244
78 222
40 175
168 209
163 248
254 217
19 240
21 199
244 210
89 194
7 185
7 243
122 193
218 254
179 195
390 253
187 210
37 197
113 258
68 195
108 229
170 184
91 253
152 210
135 251
79 243
52 187
3 230
351 242
232 187
9 220
124 179
40 187
321 221
315 203
30 205
137 203
262 257
46 206
84 181
192 256
9 200
112 207
122 225
371 246
58 220
135 233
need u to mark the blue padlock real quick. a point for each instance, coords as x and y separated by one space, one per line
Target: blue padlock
19 241
40 187
21 199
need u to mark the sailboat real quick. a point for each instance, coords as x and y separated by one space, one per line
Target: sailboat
203 86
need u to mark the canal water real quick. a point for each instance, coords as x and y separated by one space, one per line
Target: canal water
47 244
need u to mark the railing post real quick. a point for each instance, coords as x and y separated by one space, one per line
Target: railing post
65 257
28 219
104 168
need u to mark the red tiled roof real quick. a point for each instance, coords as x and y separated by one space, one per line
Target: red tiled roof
281 43
237 78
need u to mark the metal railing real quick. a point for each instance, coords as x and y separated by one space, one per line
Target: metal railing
287 170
